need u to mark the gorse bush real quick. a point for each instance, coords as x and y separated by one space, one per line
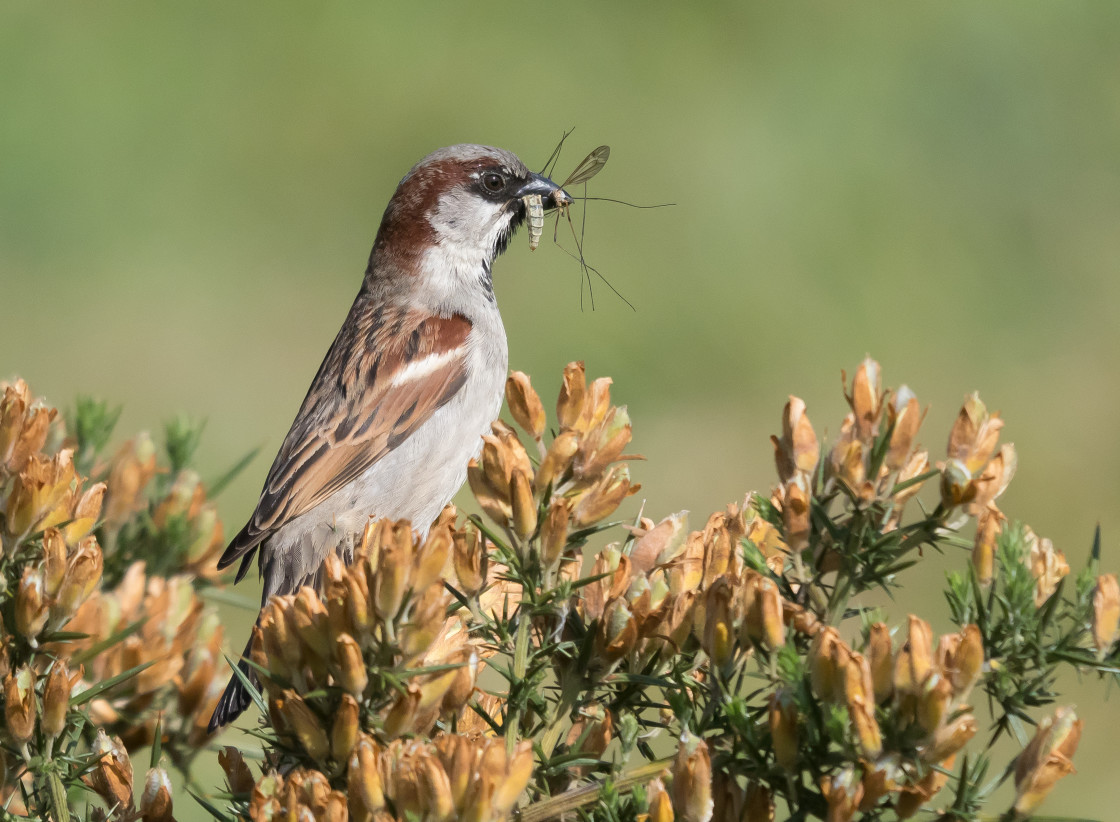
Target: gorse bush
545 660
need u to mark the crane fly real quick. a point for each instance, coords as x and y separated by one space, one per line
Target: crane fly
592 164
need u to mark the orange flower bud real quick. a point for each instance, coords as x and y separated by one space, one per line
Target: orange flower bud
1106 613
783 730
948 739
797 451
916 465
364 776
906 417
518 772
431 558
933 701
111 777
602 498
56 699
1048 566
1046 759
974 435
913 797
345 728
557 460
866 399
32 607
915 659
984 549
19 704
660 805
768 602
823 675
617 630
155 801
968 661
470 560
843 794
603 444
132 468
596 404
880 661
401 718
308 618
795 503
718 630
525 405
391 582
554 531
524 507
82 577
692 780
54 561
86 514
569 405
352 674
238 776
494 502
307 727
23 425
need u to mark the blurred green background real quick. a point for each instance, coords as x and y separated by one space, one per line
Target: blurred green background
188 194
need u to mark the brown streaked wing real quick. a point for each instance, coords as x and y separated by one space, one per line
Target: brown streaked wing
352 415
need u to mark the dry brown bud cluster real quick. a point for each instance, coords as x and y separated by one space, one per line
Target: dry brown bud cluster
62 633
449 777
484 670
580 479
387 609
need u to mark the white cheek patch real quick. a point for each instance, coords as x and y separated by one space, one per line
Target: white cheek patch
418 369
469 222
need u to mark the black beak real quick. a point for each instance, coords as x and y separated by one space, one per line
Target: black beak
553 195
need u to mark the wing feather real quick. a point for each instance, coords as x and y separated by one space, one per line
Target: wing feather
385 374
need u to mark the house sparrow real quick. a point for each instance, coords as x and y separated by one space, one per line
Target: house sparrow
410 384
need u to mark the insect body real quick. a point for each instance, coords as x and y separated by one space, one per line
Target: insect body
534 205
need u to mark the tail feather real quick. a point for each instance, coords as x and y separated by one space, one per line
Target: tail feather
236 697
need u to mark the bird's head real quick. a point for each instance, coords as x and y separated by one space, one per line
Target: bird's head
460 204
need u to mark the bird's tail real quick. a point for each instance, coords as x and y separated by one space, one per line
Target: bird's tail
236 697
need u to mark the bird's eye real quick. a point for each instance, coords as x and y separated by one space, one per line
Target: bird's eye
493 182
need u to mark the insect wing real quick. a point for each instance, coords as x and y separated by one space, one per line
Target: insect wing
592 164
